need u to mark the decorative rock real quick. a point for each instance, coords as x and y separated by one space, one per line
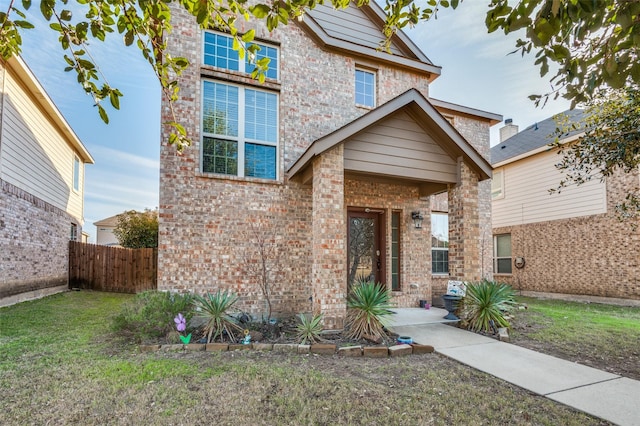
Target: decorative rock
172 348
304 349
373 339
376 351
238 347
323 349
422 349
400 350
195 347
149 348
350 351
503 334
263 346
285 347
217 347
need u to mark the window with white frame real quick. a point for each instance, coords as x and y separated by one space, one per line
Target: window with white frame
73 232
218 52
239 122
240 130
497 185
439 243
365 88
76 173
502 254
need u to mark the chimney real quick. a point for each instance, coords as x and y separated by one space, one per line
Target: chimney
509 129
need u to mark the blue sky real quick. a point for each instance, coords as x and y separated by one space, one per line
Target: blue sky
476 72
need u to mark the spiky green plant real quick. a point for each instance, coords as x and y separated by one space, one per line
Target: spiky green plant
368 309
486 303
215 308
309 329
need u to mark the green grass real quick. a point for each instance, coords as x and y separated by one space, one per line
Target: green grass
59 364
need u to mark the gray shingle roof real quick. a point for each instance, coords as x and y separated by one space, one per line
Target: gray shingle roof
533 137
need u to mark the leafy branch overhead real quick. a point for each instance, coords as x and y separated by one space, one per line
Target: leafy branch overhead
593 42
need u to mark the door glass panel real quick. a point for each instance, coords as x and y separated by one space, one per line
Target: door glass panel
362 249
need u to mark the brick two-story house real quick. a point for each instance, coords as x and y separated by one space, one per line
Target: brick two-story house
332 164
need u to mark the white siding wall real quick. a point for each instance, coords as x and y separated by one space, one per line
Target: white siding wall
527 198
35 157
399 147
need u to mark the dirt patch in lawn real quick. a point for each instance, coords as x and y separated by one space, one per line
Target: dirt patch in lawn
612 349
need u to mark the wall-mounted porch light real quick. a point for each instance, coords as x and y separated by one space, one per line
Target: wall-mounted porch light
417 219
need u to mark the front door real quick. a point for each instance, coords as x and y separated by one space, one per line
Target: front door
366 246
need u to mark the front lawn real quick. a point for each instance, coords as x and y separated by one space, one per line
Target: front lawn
59 364
601 336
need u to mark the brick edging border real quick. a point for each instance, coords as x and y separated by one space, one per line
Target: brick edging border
294 348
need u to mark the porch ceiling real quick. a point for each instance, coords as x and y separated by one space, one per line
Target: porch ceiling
405 139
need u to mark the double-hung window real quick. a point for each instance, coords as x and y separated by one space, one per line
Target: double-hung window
365 88
239 122
439 243
497 185
502 254
76 173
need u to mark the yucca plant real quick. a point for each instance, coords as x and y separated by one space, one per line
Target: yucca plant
368 309
309 329
485 305
215 308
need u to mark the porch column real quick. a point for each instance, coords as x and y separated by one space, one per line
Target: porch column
329 238
464 227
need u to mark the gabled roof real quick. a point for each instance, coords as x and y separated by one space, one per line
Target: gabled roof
425 114
534 137
491 117
358 31
20 68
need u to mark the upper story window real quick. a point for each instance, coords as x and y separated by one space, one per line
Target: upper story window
219 52
365 88
76 173
439 243
502 254
497 185
240 130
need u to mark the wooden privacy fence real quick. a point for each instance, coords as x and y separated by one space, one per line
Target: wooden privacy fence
114 269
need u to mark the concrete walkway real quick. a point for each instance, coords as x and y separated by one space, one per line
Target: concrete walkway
601 394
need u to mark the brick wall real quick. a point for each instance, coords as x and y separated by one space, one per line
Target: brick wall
592 255
34 239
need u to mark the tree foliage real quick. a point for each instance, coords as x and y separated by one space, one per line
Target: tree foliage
610 144
137 229
593 42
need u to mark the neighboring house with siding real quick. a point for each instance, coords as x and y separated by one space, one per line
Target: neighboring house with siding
336 164
571 242
104 231
42 187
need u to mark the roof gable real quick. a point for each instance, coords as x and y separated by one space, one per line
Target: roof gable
358 31
413 105
534 137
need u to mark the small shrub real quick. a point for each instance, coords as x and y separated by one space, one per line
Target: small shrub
150 315
485 304
309 329
215 309
369 309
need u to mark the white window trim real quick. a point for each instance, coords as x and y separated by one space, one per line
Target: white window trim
498 180
439 274
240 139
76 176
375 87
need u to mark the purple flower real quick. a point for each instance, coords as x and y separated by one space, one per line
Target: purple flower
181 323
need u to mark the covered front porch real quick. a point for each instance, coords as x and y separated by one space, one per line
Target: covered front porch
373 177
